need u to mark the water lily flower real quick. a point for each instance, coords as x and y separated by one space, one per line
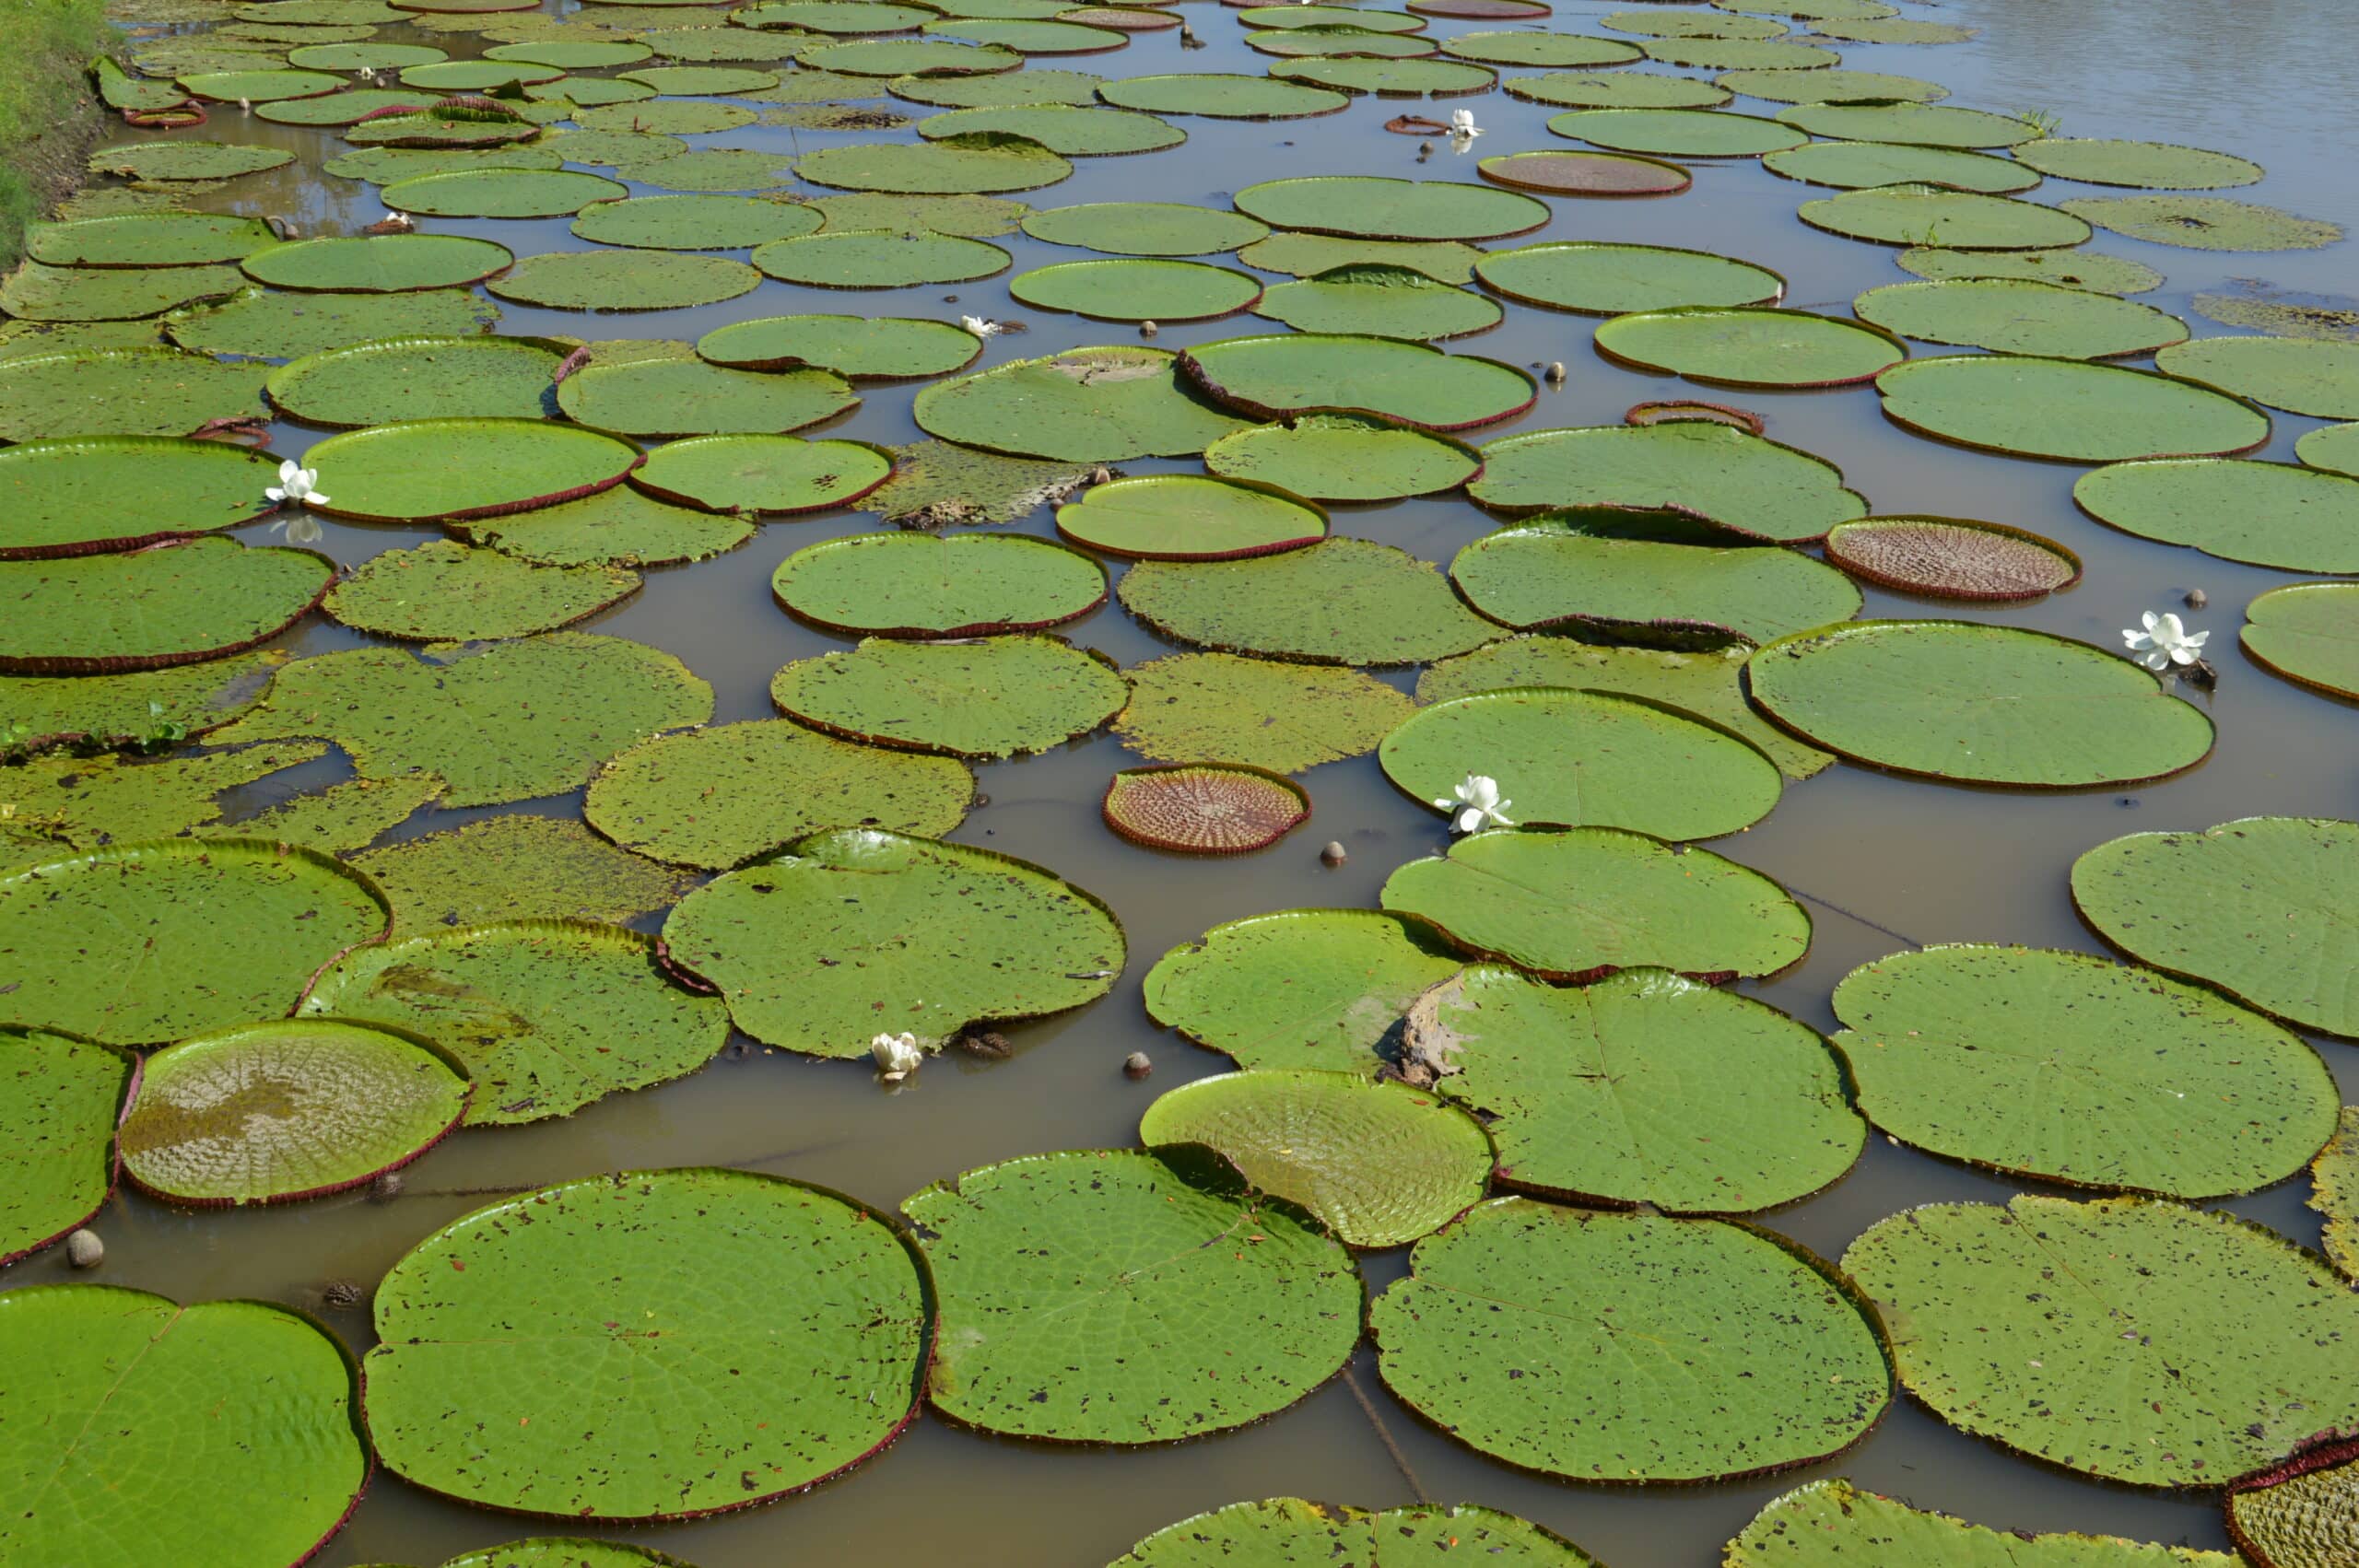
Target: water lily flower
1461 124
1477 804
897 1055
295 482
2165 642
400 220
980 327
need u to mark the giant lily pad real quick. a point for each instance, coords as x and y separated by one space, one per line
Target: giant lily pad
626 280
1033 85
2334 1193
1750 347
474 377
384 263
1201 808
1388 78
2152 165
2271 514
790 1397
1677 132
2313 376
989 697
502 193
762 473
60 1098
259 86
1339 602
1182 517
2066 409
1919 124
964 164
187 160
855 931
1540 47
907 57
1827 1522
1857 166
617 527
1580 904
2305 633
878 258
1222 97
1952 558
96 712
1933 215
92 493
1345 457
1628 1347
2297 1514
1280 1527
266 322
1377 300
175 603
1220 1334
673 394
1617 89
1586 174
1602 279
938 483
1773 56
1145 228
1644 1087
111 800
1740 481
516 868
1255 712
253 1401
921 585
2018 316
1328 43
293 1108
886 346
1064 129
142 944
122 392
1083 405
2057 1328
1306 255
448 469
444 591
2205 223
1285 374
35 292
693 222
1835 86
1137 289
1364 207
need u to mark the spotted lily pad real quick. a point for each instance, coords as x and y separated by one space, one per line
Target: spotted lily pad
1519 1330
1254 712
1282 375
1951 558
938 483
1751 347
474 376
762 473
693 222
60 1098
1617 89
1826 1522
516 868
1366 207
1145 228
919 585
384 263
444 591
1137 289
2305 633
2205 223
2018 316
1345 457
269 324
187 160
2066 409
502 193
444 470
1221 1334
1742 482
1600 279
624 280
1339 602
1083 405
889 347
674 394
95 493
96 712
617 527
1222 97
1856 166
989 697
907 57
878 259
122 392
37 293
1378 301
596 1262
2152 165
176 603
855 931
1179 516
2271 514
1677 132
1278 1527
2312 376
1933 215
147 241
1305 255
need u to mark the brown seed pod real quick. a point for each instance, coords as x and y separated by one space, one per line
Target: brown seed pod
1952 557
1204 808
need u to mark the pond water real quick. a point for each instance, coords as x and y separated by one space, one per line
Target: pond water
1880 862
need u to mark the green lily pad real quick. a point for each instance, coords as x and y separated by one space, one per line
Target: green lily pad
476 75
1324 42
1617 89
595 93
1031 85
1750 347
99 712
258 87
1580 904
2066 409
442 591
1832 1521
1677 132
1629 1347
2334 1193
2151 164
1597 279
596 1262
1916 124
1742 55
2281 312
1380 301
1835 86
342 818
616 528
919 585
1388 78
548 1017
1586 174
1540 47
1218 96
474 376
701 81
442 469
267 323
253 1401
1643 1088
1928 216
2072 268
907 57
1741 482
1952 558
270 1112
503 721
1182 517
37 293
112 799
686 117
2232 1328
1306 255
516 868
1857 166
1345 457
989 698
614 149
2204 223
2305 633
1278 375
1380 1164
1145 228
857 930
762 473
938 483
384 263
92 493
444 125
1137 289
1666 23
122 392
175 603
1339 602
968 218
2017 316
965 164
60 1099
2334 449
878 259
1254 712
187 160
147 241
1064 129
2271 514
141 943
1316 15
626 280
848 19
1083 405
677 395
1895 29
2312 376
502 193
1029 35
573 53
1279 1528
1366 207
890 348
1162 1227
1300 989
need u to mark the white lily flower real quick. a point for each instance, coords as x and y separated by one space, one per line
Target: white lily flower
295 482
1461 124
2165 642
897 1055
397 220
1477 804
980 327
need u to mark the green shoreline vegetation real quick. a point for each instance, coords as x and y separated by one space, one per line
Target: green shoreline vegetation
46 106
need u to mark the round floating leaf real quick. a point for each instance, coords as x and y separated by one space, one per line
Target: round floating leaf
972 218
2271 514
835 16
1029 35
2306 633
2312 376
857 930
878 259
1254 712
176 603
1214 1334
1578 904
502 193
1629 1347
1304 989
2011 1058
1952 557
886 347
514 868
2063 408
548 1017
762 473
801 1354
715 797
2154 165
147 240
99 712
740 169
1573 758
939 483
626 280
921 585
1932 215
1380 301
1145 228
506 721
37 293
1180 516
1313 16
92 493
1391 78
618 147
1339 602
445 590
1345 457
676 395
60 1098
1031 85
187 160
252 1401
447 126
989 697
142 944
1677 132
2334 1193
701 81
1060 128
1137 290
294 1108
265 323
1083 406
2015 316
1204 808
1586 174
1602 279
2232 1329
1283 1528
384 263
1380 1164
957 165
1617 89
440 470
1643 1088
1855 166
2259 908
1363 207
1753 347
1919 124
1280 375
1317 42
474 376
1221 97
122 392
1826 1522
908 57
2205 223
570 53
1834 87
258 87
1738 480
2074 269
1773 55
476 75
1303 255
2295 1514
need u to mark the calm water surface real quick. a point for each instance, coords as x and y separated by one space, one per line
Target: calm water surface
1882 863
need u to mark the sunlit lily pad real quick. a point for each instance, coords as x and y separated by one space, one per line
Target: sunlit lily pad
1327 42
617 527
1137 289
1345 457
122 392
1145 228
2313 376
1083 405
1278 1527
1677 132
91 493
1029 86
693 222
1742 55
1603 279
1740 481
857 930
1061 128
2072 268
34 292
98 712
1854 166
1580 904
1826 1522
1751 347
937 484
675 395
175 603
972 217
1388 78
384 263
1366 207
1929 215
2017 316
1220 1334
2297 1514
1617 89
1257 712
516 868
921 585
187 160
907 57
1180 516
443 591
259 85
1222 97
1029 35
791 1398
857 346
1542 47
2152 165
2271 514
956 165
1952 557
1282 375
1301 988
762 473
626 280
1586 174
1306 255
1378 301
440 470
147 241
474 376
1518 1330
454 125
878 258
1339 602
1919 124
502 193
745 168
2066 409
1837 86
991 698
2205 223
269 324
2308 632
2334 1194
60 1098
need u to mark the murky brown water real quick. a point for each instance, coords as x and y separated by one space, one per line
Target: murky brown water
1881 861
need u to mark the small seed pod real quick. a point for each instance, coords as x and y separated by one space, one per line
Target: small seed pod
85 1250
1149 329
1136 1065
1333 854
1556 372
2197 599
386 1187
1101 474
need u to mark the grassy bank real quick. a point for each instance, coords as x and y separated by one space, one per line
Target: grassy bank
45 105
